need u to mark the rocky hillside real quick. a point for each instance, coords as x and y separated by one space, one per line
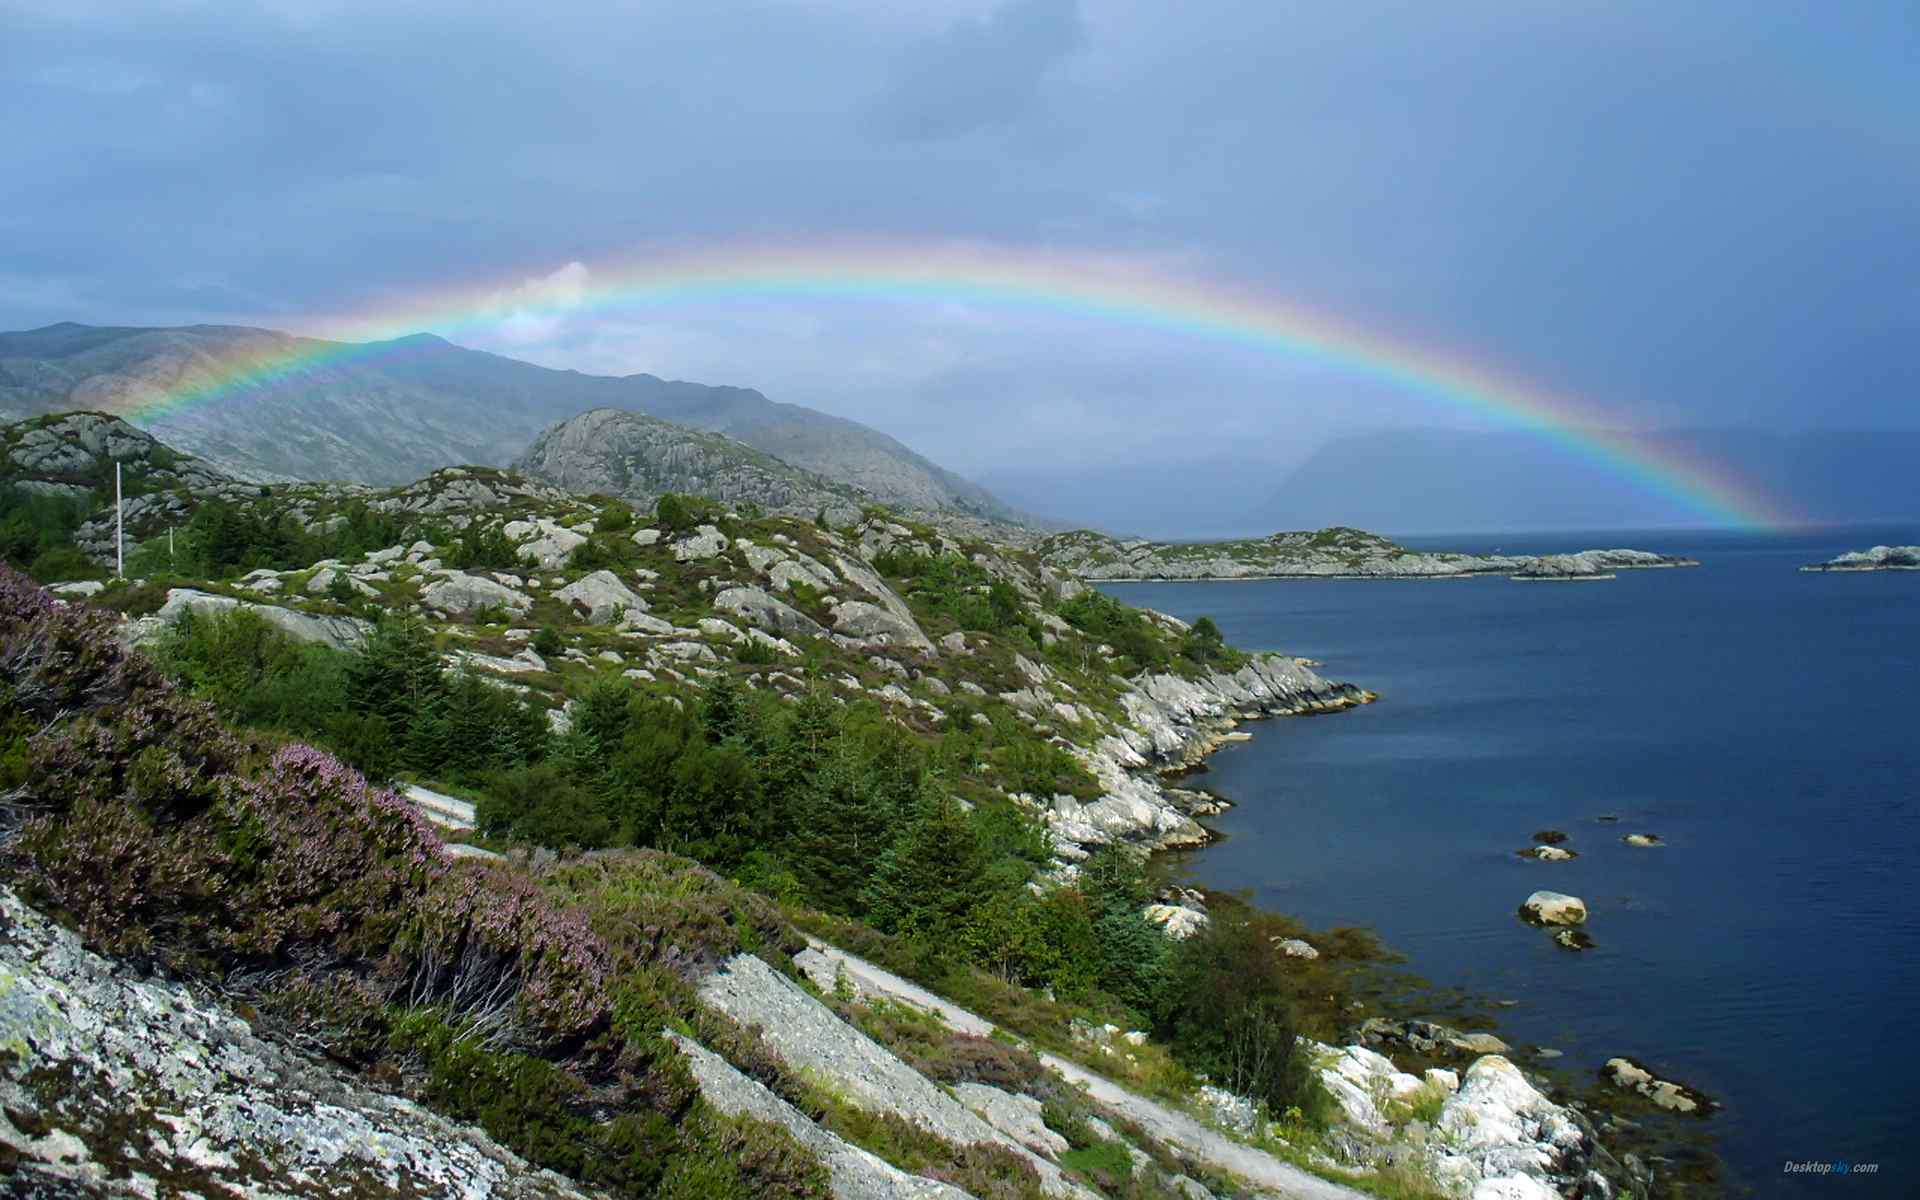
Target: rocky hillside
389 412
1334 553
639 458
759 598
936 750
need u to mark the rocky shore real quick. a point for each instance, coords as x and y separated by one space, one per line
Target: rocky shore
1173 723
1335 553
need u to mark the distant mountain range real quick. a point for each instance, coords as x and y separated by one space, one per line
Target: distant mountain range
1428 480
389 412
1452 481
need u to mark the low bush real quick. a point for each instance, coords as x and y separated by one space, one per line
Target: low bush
531 1006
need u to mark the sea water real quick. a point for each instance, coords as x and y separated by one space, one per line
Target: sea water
1762 721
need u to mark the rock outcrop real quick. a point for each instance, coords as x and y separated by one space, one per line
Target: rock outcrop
809 1037
855 1174
339 633
767 613
1553 908
638 458
458 594
1494 1134
602 597
112 1085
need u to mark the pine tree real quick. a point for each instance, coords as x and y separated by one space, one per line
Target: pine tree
931 878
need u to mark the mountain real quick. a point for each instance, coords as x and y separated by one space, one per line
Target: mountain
388 412
1434 480
637 457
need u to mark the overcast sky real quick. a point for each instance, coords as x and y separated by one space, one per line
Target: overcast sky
1685 214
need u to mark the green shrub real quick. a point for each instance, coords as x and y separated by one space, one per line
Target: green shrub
484 547
615 517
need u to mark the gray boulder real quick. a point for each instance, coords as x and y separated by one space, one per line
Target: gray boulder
703 543
872 625
459 594
341 633
601 596
762 610
547 543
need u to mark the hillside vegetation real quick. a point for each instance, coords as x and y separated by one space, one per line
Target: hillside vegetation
689 733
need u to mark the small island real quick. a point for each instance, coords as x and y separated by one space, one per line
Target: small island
1338 552
1879 558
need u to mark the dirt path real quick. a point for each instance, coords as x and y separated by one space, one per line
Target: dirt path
1176 1128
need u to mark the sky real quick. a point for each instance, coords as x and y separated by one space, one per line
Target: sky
1684 215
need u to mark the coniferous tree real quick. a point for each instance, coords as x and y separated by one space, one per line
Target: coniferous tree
930 878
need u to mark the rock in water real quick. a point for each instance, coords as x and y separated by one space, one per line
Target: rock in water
1642 839
1553 908
1630 1076
1548 853
1880 558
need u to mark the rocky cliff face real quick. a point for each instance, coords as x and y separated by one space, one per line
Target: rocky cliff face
1334 553
637 458
387 412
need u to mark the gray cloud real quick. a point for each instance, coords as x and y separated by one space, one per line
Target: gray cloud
977 73
1684 214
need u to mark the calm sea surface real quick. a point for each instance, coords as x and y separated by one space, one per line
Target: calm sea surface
1765 722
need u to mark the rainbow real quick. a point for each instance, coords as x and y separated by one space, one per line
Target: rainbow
1113 289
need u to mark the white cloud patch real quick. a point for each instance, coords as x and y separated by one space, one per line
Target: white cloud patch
537 311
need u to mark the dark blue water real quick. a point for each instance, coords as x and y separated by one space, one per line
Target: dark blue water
1765 722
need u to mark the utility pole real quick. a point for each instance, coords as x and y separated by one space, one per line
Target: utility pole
119 527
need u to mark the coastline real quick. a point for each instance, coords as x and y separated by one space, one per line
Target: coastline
1626 1122
1380 577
